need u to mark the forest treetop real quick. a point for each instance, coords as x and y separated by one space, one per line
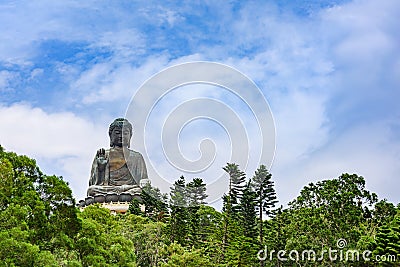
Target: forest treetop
41 226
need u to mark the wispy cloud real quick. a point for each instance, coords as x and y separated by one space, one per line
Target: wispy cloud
329 69
63 143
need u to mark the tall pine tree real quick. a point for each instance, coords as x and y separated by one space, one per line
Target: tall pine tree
179 215
155 202
237 180
265 198
248 212
387 243
196 194
231 206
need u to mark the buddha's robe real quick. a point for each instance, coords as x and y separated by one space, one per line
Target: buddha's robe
124 169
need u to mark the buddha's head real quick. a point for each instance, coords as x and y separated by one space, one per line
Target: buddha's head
120 132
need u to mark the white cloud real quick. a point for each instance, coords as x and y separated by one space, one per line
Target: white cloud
301 68
160 15
367 150
109 81
326 76
347 119
302 126
125 44
6 78
35 73
61 142
361 39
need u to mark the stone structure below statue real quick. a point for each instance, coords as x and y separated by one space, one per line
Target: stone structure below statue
117 173
117 206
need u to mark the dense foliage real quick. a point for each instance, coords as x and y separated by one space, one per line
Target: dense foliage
41 226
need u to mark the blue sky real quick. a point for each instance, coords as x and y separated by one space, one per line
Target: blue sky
330 71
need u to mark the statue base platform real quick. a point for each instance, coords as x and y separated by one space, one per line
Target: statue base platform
116 203
117 207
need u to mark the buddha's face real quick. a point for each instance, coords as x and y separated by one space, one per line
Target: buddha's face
120 137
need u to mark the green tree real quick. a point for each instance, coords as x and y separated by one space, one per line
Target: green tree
231 201
6 182
100 242
134 207
50 215
15 252
178 224
242 251
60 209
237 182
148 237
383 212
337 202
278 233
155 202
265 198
196 194
248 212
177 255
387 243
327 211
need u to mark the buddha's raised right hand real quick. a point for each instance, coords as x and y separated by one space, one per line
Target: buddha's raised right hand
101 159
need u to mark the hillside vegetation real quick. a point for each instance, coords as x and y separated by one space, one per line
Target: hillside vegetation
40 224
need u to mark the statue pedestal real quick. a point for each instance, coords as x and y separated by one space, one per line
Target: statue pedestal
116 207
116 203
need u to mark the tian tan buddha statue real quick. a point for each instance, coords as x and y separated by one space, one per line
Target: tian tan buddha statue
118 169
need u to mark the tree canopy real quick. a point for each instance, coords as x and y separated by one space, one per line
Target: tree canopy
40 224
